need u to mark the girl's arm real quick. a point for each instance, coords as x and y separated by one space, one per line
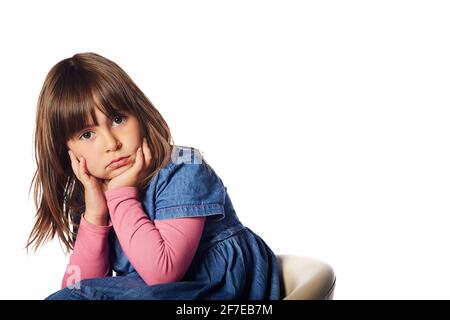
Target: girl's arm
90 256
160 251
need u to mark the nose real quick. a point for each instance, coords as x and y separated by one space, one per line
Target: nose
112 143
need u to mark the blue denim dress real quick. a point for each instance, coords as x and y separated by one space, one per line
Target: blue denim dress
232 262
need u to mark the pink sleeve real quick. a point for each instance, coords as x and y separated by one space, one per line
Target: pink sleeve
90 256
160 251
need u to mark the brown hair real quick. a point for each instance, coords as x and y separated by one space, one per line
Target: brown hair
69 94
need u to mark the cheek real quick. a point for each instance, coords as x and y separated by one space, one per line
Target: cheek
136 134
136 142
94 166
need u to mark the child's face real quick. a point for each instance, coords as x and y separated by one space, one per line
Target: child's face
114 138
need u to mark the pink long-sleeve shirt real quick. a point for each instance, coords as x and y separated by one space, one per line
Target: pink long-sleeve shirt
161 251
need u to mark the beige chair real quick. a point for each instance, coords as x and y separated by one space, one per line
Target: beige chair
304 278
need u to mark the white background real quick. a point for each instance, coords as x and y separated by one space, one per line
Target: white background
328 121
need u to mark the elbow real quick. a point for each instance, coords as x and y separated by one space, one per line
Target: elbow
168 266
166 271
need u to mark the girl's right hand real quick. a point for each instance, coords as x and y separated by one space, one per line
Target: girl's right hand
95 202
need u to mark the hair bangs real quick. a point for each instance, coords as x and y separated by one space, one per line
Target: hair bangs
81 95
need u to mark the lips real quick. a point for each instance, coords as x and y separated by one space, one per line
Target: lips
117 160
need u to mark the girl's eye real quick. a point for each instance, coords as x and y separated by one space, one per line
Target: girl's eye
84 135
120 117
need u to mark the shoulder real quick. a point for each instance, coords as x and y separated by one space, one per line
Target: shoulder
186 155
186 164
189 185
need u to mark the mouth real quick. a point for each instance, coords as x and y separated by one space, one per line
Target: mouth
119 162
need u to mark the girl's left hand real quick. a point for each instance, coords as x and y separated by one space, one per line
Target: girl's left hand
129 177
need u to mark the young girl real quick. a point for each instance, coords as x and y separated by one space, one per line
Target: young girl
117 191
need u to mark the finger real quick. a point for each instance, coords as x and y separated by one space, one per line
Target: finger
147 153
138 163
84 174
74 164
